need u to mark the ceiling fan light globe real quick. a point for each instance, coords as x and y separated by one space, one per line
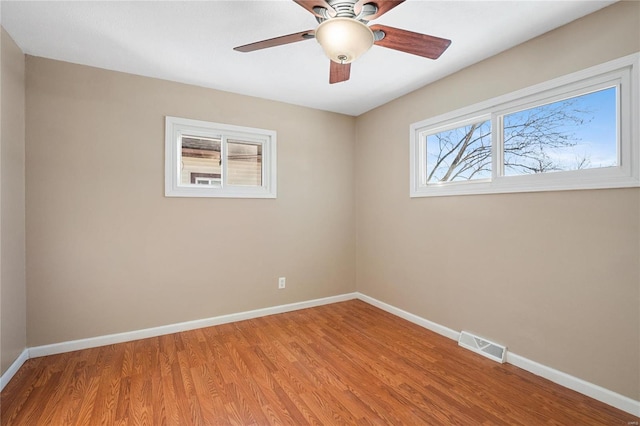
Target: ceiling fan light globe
344 39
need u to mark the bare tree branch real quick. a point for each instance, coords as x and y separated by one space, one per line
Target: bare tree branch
529 137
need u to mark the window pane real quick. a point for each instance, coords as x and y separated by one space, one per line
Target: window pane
244 160
573 134
200 161
460 154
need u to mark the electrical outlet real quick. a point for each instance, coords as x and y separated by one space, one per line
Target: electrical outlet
282 282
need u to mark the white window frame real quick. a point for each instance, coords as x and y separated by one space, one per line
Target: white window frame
623 72
176 127
207 181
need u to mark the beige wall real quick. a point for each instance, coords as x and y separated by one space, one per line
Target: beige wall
555 276
12 204
108 253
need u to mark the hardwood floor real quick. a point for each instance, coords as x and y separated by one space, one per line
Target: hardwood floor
345 363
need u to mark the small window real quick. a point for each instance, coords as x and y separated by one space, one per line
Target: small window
206 159
576 132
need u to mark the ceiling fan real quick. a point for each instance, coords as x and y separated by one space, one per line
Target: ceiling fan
344 34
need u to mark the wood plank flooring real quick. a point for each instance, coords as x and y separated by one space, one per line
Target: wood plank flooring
345 363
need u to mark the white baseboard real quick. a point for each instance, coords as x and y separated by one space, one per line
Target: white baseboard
429 325
128 336
13 368
596 392
599 393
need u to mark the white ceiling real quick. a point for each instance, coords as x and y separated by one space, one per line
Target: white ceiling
192 42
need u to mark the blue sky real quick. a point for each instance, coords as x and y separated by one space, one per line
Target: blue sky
600 135
596 138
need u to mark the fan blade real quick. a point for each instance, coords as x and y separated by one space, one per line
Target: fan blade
339 72
277 41
310 4
383 7
415 43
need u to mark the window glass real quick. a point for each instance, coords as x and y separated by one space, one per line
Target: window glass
200 161
572 134
459 154
244 161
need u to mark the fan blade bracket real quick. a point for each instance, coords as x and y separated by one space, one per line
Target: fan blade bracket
322 14
382 7
315 7
367 11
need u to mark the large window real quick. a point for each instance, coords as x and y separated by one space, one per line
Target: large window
204 159
576 132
